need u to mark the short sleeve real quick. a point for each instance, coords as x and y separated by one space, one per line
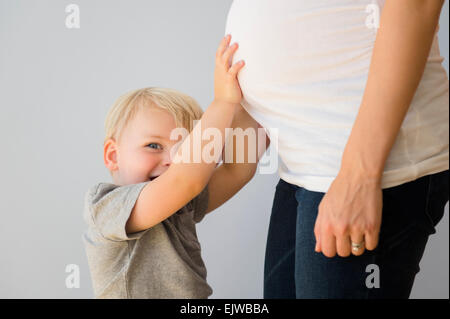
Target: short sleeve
200 204
108 207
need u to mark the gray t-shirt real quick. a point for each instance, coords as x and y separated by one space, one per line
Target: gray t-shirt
163 261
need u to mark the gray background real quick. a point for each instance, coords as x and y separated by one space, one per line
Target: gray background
56 85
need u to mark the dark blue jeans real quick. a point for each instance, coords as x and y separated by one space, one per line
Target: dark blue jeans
293 269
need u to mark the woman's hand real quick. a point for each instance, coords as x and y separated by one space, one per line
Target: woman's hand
350 212
226 85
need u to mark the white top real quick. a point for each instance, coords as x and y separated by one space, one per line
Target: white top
307 64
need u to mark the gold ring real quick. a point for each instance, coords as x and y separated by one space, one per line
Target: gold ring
356 246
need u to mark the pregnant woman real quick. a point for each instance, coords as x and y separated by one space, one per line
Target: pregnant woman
360 100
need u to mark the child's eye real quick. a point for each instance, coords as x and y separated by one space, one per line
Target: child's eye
154 145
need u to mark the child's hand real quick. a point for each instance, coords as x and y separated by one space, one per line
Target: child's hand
226 86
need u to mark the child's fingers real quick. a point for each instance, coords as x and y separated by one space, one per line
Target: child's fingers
229 53
234 70
223 45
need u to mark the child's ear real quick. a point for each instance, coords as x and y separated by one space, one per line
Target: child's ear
110 154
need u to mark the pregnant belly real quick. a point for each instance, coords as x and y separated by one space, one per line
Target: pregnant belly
293 42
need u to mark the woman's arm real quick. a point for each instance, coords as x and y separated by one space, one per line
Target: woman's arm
351 209
400 53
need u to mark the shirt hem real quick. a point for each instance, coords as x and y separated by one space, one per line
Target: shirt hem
390 178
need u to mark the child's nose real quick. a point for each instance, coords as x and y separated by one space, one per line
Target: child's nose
166 161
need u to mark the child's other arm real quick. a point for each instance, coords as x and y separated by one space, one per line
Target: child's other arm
183 181
240 159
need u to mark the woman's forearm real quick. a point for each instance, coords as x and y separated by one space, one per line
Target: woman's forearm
399 56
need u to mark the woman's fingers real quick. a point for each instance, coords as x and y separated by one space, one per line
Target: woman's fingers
343 246
318 246
317 226
328 243
371 240
357 243
223 46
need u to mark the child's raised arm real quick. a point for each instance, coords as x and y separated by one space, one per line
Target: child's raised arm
182 181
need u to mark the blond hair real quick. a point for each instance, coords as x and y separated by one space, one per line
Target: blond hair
183 108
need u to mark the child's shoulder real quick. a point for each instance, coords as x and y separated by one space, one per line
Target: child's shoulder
105 198
99 190
108 206
96 192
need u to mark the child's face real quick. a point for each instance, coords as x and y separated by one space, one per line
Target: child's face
143 151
